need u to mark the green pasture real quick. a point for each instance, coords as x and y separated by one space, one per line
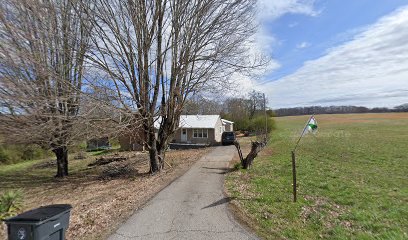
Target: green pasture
352 180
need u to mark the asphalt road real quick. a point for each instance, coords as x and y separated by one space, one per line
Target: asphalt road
192 207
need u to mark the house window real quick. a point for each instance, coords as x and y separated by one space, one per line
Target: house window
200 133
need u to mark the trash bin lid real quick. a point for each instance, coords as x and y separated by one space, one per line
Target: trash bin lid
40 214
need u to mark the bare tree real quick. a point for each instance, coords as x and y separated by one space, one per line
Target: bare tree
159 52
42 59
238 108
256 103
198 104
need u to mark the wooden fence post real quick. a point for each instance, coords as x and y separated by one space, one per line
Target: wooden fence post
294 175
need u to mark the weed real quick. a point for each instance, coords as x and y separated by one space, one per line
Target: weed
10 203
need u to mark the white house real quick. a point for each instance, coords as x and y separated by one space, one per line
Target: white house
201 129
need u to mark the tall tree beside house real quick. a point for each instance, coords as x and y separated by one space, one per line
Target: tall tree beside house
42 58
157 53
247 112
199 105
256 103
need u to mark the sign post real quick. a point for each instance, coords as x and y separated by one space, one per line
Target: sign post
294 175
312 126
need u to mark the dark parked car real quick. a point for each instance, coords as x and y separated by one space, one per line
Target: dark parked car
228 138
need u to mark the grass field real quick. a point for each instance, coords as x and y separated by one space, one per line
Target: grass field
352 180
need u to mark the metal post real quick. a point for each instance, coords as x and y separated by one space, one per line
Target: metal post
294 175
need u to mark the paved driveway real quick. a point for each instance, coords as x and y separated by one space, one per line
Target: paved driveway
192 207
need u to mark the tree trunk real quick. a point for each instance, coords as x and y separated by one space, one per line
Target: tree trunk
153 154
62 161
154 161
241 158
161 154
256 147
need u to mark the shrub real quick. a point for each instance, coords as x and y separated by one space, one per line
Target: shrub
10 203
10 153
241 124
257 124
4 157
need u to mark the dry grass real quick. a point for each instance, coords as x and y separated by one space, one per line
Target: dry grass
99 204
355 118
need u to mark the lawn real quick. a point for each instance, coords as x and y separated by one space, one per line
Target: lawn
352 180
100 203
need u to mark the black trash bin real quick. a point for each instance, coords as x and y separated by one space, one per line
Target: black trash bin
44 223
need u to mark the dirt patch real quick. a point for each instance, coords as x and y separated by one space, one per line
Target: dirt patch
101 204
325 211
118 169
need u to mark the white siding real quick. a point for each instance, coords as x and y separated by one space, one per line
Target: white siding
218 127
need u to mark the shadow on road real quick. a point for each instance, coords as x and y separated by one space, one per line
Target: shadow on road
223 170
219 202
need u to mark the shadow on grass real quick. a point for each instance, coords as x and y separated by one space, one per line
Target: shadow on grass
103 152
46 180
23 181
41 174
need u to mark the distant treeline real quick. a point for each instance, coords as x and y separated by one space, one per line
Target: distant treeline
337 110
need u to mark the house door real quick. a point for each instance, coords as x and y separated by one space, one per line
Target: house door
184 135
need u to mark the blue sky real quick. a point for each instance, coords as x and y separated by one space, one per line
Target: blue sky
346 51
303 37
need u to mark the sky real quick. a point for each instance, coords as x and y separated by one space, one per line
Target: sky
333 52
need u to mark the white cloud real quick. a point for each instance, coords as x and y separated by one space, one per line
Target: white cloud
292 25
303 45
242 84
269 10
272 9
369 70
264 42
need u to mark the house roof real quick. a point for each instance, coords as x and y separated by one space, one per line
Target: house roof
157 122
224 121
198 121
